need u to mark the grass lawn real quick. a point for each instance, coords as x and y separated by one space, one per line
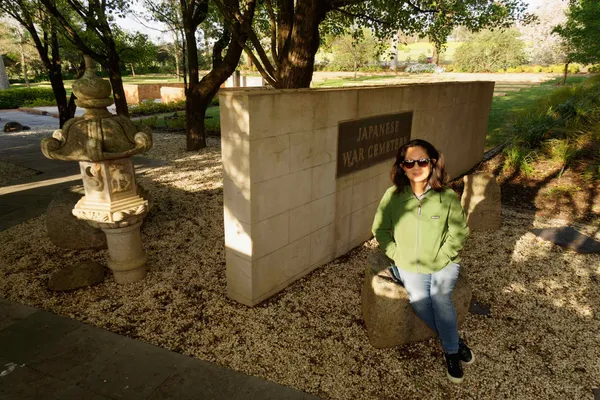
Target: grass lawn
515 102
341 81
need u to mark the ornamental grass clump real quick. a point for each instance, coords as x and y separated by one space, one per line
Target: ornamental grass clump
564 128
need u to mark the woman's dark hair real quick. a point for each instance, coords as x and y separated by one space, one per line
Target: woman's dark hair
437 178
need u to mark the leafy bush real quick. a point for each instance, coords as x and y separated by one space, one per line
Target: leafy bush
489 51
149 108
422 59
424 68
594 68
15 98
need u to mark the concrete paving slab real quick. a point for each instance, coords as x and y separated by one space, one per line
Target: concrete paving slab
218 385
25 383
23 340
570 238
134 372
19 216
77 393
77 354
42 355
11 312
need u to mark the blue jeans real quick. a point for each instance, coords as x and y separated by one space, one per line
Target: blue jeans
430 297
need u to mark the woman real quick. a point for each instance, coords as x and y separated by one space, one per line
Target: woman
421 226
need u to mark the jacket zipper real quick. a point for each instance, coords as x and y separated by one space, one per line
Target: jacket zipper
418 233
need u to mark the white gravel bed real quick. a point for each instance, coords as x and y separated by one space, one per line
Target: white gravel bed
541 341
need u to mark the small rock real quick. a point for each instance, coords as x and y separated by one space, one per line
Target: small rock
482 309
65 230
86 274
15 127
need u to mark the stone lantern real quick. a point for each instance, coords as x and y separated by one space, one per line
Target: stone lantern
103 144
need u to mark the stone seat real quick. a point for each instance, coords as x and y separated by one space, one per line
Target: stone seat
388 316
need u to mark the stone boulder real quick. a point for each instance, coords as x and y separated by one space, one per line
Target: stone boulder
78 276
64 229
15 127
388 315
482 202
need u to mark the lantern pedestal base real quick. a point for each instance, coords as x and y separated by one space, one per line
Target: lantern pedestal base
127 258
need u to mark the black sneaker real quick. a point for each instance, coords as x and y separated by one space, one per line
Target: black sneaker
455 372
465 353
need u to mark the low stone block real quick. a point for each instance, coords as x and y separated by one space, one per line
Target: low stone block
482 202
388 315
78 276
64 229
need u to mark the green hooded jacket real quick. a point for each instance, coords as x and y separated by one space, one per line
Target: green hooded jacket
421 236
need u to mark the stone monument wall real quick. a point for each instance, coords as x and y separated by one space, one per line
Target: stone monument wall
137 93
286 212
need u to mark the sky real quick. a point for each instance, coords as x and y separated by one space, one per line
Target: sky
153 29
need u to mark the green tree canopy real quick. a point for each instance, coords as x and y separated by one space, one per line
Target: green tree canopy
581 31
489 51
351 51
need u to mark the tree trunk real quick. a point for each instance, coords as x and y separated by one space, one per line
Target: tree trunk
395 51
24 64
355 68
194 107
177 65
114 73
564 79
297 66
132 70
56 79
60 94
3 77
195 111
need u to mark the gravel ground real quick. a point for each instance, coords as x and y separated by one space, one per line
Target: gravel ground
540 342
10 172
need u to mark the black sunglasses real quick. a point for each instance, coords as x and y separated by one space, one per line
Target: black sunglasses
423 162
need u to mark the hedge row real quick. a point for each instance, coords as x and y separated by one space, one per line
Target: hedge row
556 69
15 98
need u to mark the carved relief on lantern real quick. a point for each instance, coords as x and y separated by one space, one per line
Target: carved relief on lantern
121 178
92 177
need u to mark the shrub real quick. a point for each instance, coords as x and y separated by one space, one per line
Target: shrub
424 68
39 103
149 108
422 59
594 68
15 98
489 51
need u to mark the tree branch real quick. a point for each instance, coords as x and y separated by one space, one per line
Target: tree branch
270 79
71 33
234 14
273 32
